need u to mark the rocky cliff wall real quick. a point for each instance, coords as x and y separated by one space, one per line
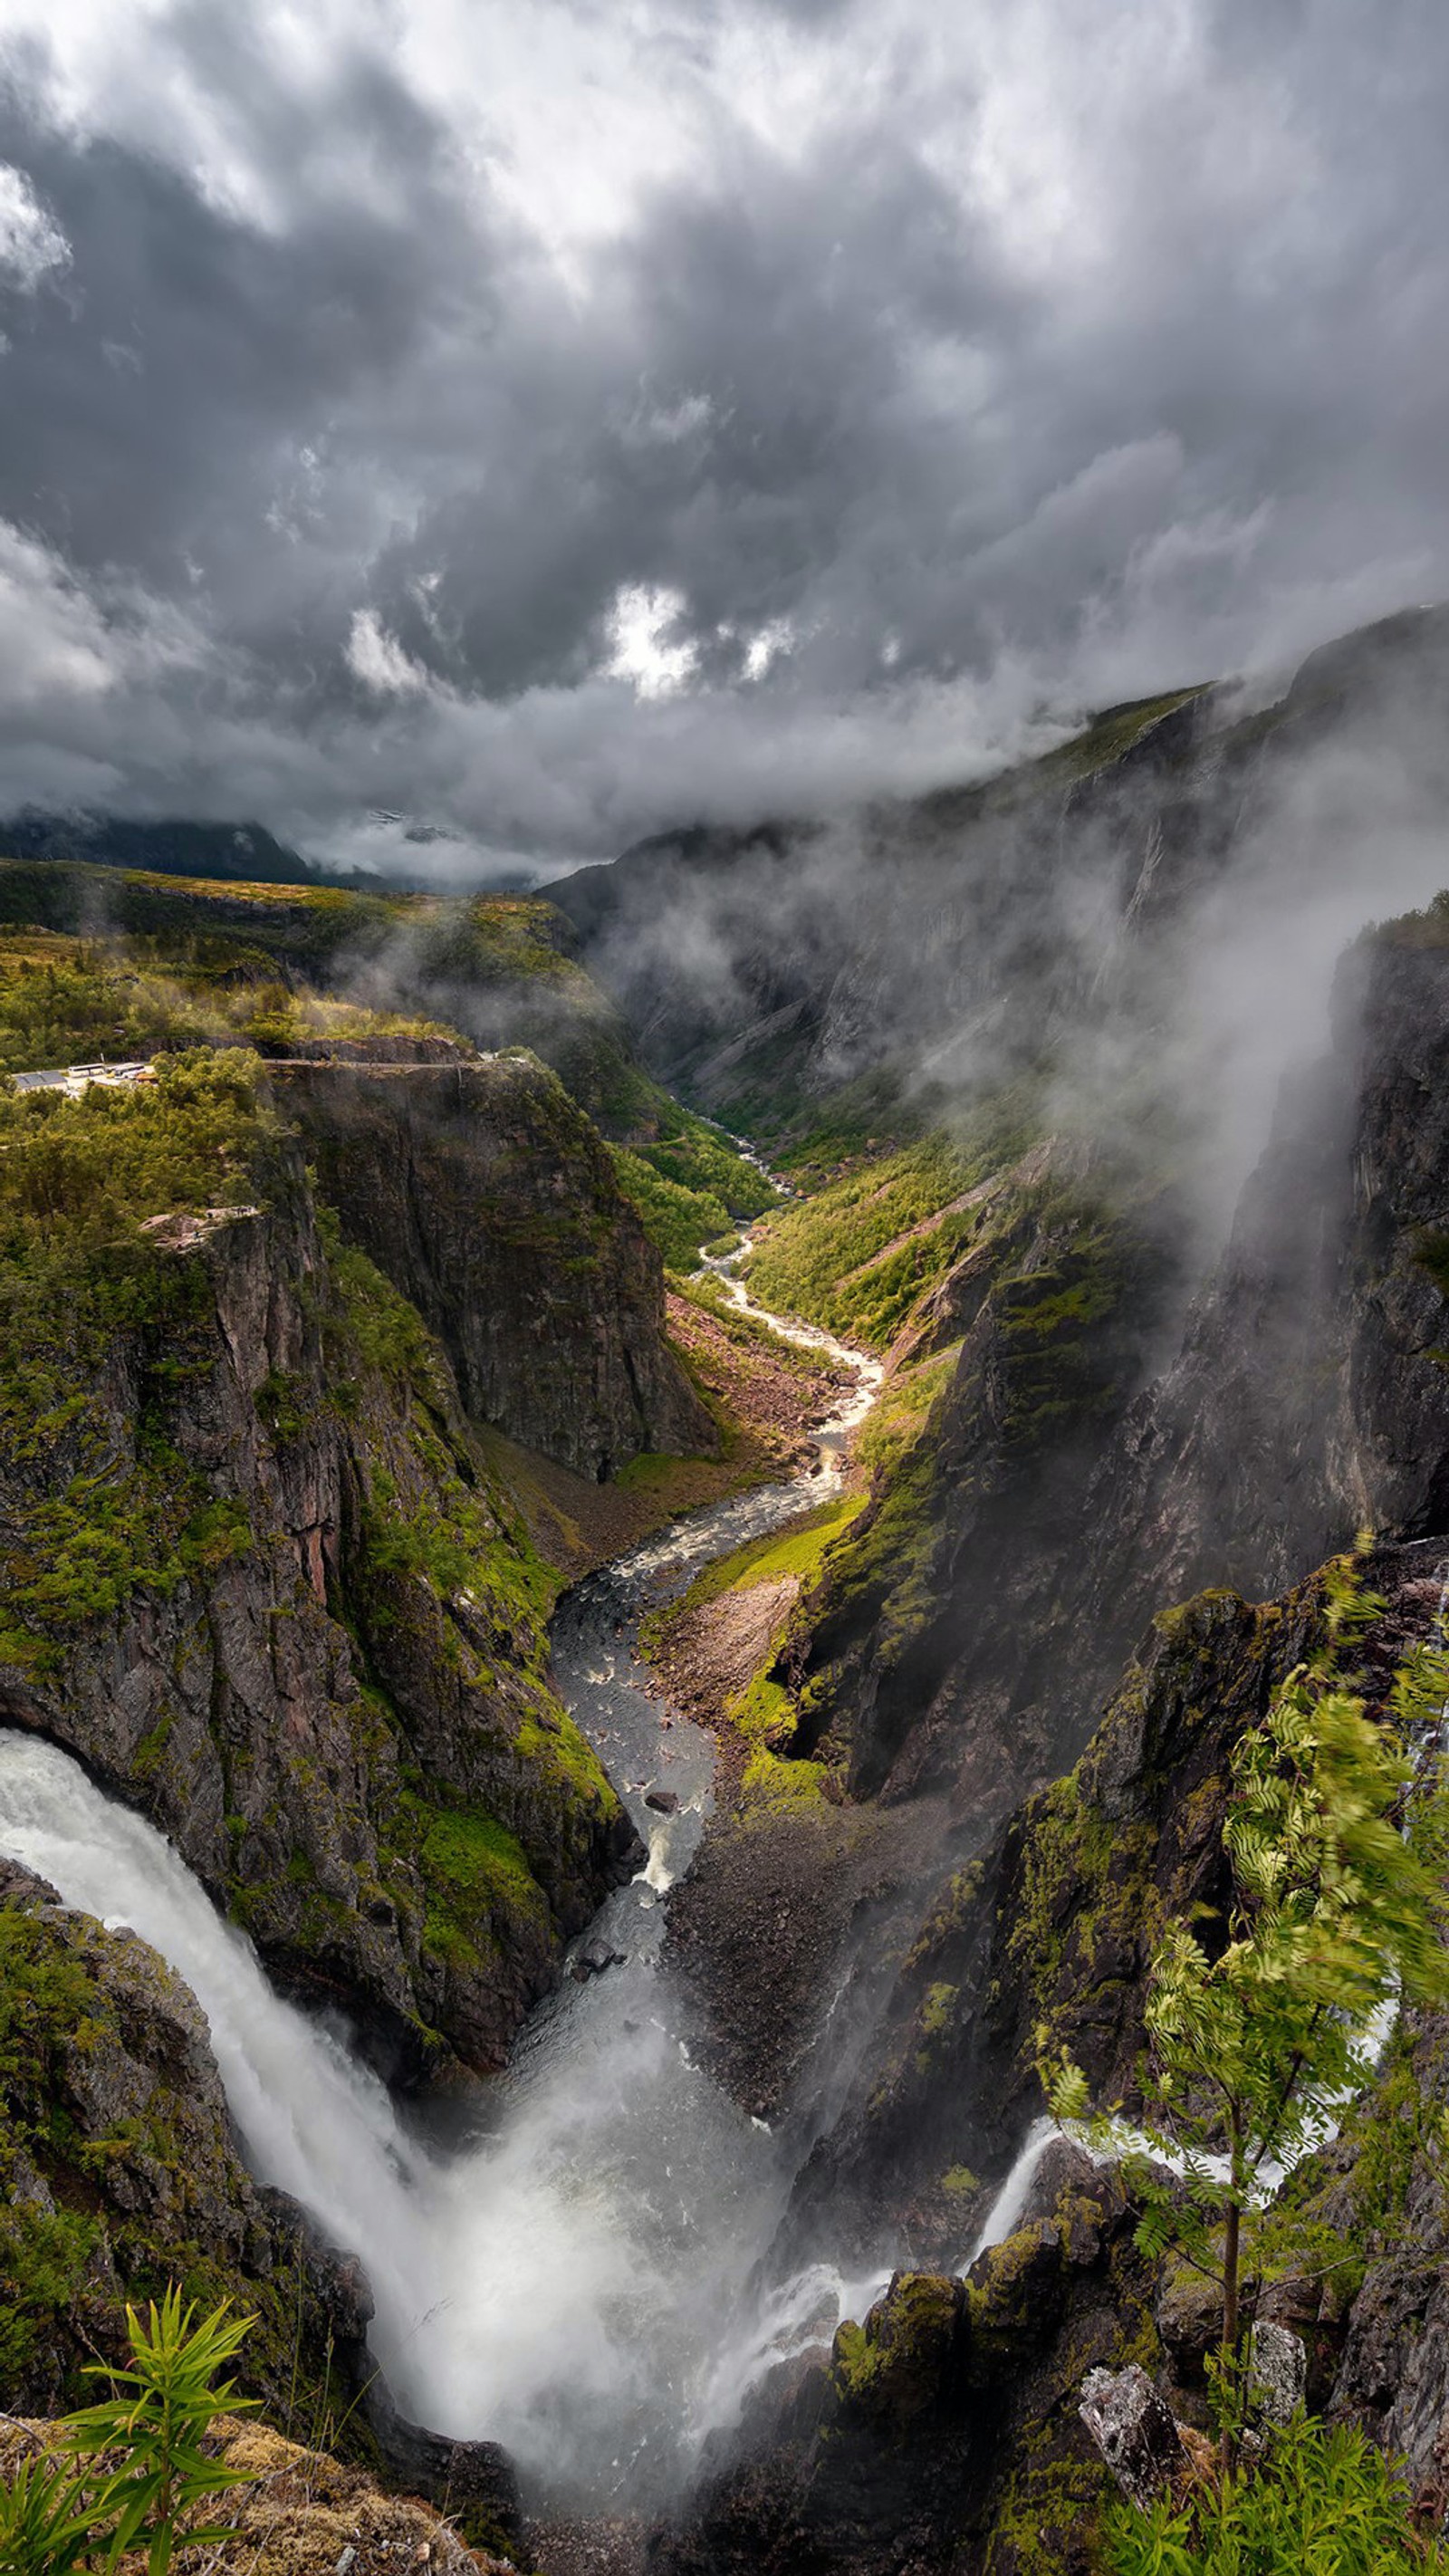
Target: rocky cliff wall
965 1633
486 1197
258 1578
943 2433
121 2174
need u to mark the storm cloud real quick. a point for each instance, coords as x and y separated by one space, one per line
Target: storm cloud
545 425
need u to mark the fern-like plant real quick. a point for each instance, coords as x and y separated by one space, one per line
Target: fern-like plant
1256 2035
1323 2502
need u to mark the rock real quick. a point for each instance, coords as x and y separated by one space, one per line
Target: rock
593 1962
1135 2430
488 1198
1277 2371
120 2169
472 2482
265 1704
1188 2312
665 1802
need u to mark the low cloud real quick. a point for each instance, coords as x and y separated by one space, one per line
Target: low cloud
711 411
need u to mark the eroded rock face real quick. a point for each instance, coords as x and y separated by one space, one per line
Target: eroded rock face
943 2432
1051 1929
335 1696
486 1197
119 2172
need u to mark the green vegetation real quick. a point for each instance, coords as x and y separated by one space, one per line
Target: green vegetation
1046 1316
68 1001
1426 929
1336 1846
764 1713
689 1184
678 1221
149 2471
78 1182
794 1553
475 1877
1322 2502
889 1551
858 1256
61 2010
46 2001
456 1529
1110 735
499 968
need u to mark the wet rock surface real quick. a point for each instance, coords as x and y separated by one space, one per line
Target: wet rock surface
119 2166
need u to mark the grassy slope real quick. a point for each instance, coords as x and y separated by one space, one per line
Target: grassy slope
188 962
857 1255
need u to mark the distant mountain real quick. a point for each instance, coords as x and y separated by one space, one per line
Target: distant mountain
239 852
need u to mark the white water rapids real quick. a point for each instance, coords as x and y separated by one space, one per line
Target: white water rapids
584 2278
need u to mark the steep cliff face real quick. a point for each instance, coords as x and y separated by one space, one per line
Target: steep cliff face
488 1200
965 1632
1310 1396
1050 1928
258 1578
943 2432
934 1650
120 2173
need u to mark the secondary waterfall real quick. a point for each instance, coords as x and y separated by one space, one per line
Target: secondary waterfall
585 2278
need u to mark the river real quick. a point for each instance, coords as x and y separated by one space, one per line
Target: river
583 2274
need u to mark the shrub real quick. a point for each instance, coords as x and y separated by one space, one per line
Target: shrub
1323 2502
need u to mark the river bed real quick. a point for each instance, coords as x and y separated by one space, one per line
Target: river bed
582 2273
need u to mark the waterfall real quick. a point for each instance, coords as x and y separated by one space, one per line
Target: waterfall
586 2279
583 2282
311 2116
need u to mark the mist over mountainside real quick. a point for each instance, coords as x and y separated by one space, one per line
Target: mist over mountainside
1095 918
724 1288
1109 1102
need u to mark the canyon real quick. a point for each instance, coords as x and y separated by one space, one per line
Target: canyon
551 1892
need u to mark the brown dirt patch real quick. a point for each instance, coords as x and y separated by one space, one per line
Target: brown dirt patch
711 1653
299 2514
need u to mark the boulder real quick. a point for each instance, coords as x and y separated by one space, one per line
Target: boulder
1135 2430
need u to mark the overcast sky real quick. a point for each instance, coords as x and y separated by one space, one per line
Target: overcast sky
550 422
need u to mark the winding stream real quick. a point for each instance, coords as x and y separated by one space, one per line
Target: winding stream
584 2277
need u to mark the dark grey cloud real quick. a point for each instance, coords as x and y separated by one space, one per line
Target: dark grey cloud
748 407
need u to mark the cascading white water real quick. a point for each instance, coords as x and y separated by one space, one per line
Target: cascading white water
573 2285
312 2117
584 2282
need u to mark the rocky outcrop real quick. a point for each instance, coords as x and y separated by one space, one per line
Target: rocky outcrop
258 1577
1046 1936
120 2172
943 2432
488 1200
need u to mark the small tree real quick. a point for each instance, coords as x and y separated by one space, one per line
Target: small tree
1335 1839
